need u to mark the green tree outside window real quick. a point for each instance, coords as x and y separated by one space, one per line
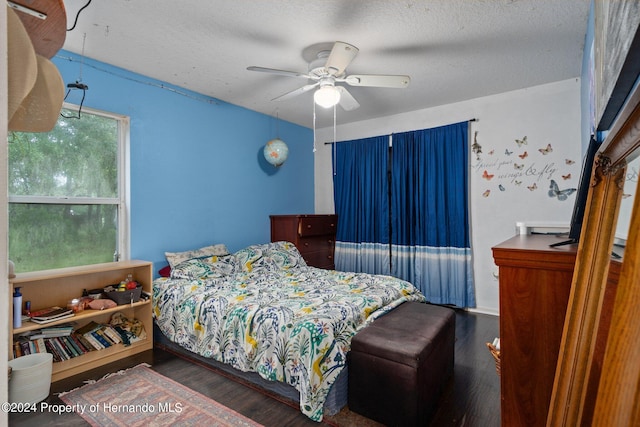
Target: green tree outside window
64 193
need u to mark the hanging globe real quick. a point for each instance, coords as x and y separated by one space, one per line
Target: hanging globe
276 152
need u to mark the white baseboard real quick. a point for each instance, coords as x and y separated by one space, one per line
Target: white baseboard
484 310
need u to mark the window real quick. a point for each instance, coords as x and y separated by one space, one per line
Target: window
67 192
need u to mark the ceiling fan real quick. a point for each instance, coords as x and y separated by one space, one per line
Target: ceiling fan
329 68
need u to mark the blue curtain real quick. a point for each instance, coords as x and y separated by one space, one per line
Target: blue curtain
361 195
429 213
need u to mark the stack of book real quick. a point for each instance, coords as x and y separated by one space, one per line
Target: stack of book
64 343
98 336
51 314
35 341
51 331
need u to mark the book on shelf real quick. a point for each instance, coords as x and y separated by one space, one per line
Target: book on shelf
112 334
98 335
27 348
50 332
40 345
65 343
89 327
53 351
93 341
70 346
84 348
55 319
49 313
64 355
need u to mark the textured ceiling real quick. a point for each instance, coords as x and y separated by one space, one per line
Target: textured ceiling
453 50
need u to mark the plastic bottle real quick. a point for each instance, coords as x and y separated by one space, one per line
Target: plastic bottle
17 308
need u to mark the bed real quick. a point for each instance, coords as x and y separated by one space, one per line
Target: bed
263 310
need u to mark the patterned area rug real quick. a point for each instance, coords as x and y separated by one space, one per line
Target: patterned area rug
141 397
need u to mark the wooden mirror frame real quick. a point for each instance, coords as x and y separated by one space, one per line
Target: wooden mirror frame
603 392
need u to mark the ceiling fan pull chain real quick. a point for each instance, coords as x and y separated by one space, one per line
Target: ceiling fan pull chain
334 140
314 127
334 123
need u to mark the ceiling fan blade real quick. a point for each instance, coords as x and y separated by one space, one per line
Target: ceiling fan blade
347 101
340 57
375 80
280 72
296 92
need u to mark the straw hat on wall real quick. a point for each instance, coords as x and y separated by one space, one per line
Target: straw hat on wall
21 62
40 109
35 87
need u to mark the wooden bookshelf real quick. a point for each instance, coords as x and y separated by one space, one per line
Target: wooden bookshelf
56 287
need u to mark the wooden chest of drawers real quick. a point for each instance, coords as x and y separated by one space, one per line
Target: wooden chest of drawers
313 235
535 284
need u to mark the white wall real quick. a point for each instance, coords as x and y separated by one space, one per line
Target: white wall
547 114
4 283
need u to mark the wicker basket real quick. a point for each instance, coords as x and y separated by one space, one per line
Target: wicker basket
496 355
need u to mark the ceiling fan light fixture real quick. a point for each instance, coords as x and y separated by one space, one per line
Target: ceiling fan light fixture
327 96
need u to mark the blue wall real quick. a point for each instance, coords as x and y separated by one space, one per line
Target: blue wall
198 176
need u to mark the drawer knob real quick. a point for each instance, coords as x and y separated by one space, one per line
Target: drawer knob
329 257
309 226
306 243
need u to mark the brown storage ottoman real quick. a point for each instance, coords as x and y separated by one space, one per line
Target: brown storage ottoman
400 364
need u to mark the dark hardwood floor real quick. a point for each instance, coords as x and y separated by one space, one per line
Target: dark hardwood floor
471 399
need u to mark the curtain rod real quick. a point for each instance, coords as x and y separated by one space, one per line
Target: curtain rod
470 120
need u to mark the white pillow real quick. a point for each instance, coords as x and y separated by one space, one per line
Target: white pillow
175 258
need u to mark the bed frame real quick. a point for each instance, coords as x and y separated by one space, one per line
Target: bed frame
282 392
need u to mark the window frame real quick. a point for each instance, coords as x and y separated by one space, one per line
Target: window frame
122 201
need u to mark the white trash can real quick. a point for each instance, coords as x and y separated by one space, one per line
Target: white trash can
30 378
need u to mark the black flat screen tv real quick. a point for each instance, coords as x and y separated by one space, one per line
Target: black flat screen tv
581 196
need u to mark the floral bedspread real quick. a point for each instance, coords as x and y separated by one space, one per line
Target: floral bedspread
282 319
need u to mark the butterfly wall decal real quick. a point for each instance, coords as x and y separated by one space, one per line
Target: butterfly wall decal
554 191
532 187
566 177
486 175
523 155
568 161
517 166
522 141
486 193
501 187
546 150
507 152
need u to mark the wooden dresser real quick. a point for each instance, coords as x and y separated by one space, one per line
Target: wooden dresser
313 235
535 282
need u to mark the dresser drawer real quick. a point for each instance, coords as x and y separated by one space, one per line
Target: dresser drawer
320 259
314 236
317 226
315 244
